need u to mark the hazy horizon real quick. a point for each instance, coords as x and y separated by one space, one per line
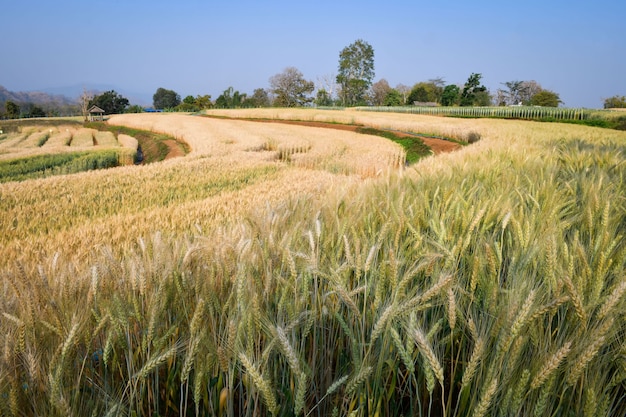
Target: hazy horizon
198 47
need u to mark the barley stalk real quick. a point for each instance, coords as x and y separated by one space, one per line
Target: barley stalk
429 354
581 362
486 398
576 300
382 321
156 361
472 365
518 324
451 308
550 366
288 350
358 379
260 383
444 280
404 355
612 300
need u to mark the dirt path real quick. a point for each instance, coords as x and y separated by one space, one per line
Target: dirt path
175 149
437 145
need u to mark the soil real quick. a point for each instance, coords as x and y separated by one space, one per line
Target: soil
175 149
437 145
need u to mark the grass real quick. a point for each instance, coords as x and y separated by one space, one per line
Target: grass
489 281
413 146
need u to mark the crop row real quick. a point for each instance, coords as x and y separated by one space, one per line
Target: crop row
512 112
39 166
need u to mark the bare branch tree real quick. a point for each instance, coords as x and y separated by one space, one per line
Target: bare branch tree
84 99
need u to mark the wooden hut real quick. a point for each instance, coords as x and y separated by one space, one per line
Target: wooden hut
96 113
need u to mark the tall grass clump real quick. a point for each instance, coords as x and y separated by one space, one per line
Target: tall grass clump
490 287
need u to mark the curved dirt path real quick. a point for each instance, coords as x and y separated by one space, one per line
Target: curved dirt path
438 146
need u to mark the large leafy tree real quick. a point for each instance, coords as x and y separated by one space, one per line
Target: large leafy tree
165 99
393 98
474 93
451 95
110 101
231 99
259 98
12 110
545 98
356 72
290 88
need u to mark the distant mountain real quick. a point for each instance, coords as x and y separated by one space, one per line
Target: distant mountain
77 89
34 97
65 96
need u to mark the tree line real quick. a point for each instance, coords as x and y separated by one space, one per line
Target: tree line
352 86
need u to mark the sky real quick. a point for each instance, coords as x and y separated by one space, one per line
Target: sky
574 48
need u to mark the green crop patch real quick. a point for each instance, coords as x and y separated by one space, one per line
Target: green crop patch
41 166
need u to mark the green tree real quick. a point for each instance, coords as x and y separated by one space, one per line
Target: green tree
203 102
291 89
36 111
451 95
473 91
230 99
615 102
165 99
426 92
110 101
135 108
356 72
12 110
188 105
323 98
259 98
393 98
545 98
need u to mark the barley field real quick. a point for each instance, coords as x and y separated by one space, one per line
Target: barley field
297 271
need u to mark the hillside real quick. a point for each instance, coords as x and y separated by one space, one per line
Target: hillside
34 97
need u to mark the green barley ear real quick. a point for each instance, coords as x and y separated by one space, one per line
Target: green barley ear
486 398
260 383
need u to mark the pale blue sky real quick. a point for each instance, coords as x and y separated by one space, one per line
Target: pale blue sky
575 48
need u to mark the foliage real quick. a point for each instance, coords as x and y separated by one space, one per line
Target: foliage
290 88
413 146
473 93
135 108
165 99
426 92
615 102
194 104
393 98
356 72
545 98
451 95
12 110
110 101
323 99
230 99
259 98
36 111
